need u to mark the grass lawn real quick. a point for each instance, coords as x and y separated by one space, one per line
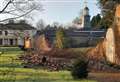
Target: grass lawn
37 75
11 70
83 50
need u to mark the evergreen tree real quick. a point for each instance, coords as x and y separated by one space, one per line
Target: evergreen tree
80 69
42 43
95 22
61 39
108 11
77 20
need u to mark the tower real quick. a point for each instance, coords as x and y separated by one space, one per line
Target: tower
85 16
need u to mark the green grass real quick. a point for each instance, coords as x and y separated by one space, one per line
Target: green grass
10 50
83 50
37 75
13 71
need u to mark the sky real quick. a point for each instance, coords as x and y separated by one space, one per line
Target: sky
61 11
64 11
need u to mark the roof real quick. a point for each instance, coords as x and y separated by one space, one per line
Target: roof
86 8
16 26
79 33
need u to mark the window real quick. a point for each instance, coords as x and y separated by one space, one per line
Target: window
6 33
11 42
0 32
6 41
1 41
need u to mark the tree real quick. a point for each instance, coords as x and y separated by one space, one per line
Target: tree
105 23
77 20
95 22
48 27
40 25
80 69
13 9
23 21
108 11
55 24
42 43
61 39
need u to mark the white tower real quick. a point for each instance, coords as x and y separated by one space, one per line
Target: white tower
85 16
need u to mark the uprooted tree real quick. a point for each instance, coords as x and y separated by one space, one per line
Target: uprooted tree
18 8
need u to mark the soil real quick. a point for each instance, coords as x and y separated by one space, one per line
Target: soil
105 77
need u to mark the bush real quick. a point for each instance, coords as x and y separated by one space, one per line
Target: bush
79 69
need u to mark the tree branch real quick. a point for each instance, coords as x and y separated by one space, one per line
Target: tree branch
17 12
11 13
18 16
6 6
8 11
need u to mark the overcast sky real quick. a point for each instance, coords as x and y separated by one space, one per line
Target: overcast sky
63 11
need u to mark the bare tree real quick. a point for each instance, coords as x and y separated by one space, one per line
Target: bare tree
18 8
40 24
55 24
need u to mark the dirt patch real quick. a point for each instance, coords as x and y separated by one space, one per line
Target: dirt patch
105 77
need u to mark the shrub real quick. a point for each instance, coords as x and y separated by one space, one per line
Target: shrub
79 69
61 41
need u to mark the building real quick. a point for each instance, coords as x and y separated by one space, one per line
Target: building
81 35
13 34
78 37
84 21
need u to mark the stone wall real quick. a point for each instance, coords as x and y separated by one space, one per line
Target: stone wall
109 49
117 35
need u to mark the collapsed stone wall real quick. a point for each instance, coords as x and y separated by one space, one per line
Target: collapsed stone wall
108 49
98 52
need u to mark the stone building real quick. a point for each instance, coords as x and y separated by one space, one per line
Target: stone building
85 18
13 34
84 21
